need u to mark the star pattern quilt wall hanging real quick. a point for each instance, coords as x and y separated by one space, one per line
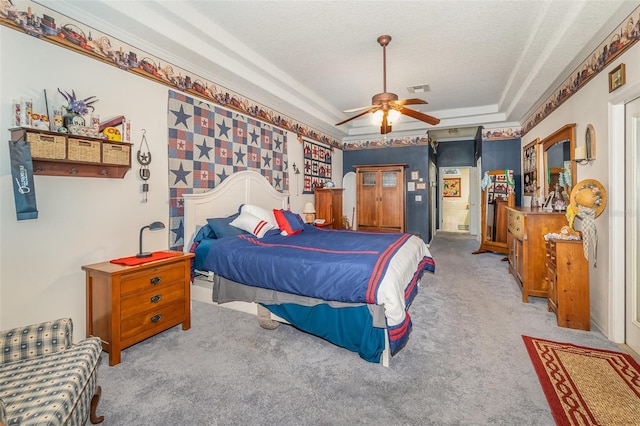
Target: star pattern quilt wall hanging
207 144
317 165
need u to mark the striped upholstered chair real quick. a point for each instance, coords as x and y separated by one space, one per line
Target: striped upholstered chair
47 380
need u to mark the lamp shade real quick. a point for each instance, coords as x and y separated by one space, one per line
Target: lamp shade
309 208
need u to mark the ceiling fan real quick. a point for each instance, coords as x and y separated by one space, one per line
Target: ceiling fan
386 105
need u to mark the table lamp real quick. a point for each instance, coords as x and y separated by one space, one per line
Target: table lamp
310 212
154 226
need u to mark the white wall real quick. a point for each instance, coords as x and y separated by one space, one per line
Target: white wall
82 220
591 106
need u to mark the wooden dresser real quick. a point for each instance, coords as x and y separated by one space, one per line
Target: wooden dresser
380 193
328 204
567 276
127 304
526 245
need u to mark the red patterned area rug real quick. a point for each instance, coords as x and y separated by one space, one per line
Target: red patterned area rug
586 386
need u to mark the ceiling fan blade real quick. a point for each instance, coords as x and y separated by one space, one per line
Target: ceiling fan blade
412 101
419 116
357 109
374 109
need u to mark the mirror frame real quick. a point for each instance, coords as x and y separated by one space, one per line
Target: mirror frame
486 244
565 132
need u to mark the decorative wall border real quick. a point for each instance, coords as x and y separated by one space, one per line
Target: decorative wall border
501 133
619 40
40 22
385 143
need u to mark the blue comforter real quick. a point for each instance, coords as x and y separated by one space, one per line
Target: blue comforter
341 266
332 265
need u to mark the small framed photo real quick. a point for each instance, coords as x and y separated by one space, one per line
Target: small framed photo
617 78
415 175
421 186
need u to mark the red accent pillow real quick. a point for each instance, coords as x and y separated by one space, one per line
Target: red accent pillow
288 222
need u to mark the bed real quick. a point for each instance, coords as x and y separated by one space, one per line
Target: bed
351 288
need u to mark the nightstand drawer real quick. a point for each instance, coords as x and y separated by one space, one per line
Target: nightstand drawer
149 279
148 323
154 298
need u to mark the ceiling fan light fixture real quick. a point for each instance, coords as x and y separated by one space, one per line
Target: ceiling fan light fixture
394 115
386 108
377 117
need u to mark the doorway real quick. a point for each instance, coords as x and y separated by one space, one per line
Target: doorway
632 226
456 191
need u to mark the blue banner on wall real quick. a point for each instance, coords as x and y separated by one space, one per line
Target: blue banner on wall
24 190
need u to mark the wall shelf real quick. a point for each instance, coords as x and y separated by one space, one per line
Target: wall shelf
59 154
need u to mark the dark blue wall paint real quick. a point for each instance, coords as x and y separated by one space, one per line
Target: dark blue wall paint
504 154
499 154
417 159
456 154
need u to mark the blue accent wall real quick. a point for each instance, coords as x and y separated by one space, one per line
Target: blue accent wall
456 154
417 159
504 154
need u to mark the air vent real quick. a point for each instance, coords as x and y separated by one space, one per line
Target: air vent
419 88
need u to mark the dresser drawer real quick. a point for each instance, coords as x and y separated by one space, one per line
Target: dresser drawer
551 253
149 322
516 224
154 298
151 278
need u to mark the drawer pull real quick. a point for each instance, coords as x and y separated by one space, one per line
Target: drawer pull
156 298
156 318
155 280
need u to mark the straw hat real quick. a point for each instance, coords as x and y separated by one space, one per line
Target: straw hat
589 193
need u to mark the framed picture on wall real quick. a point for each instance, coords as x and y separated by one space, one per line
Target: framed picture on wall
415 175
530 157
617 77
421 186
451 187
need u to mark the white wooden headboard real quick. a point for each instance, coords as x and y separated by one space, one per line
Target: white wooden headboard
246 187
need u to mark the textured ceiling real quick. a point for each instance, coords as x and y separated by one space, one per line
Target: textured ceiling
486 62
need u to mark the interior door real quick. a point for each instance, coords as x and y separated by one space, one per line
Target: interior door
474 197
367 199
391 210
433 207
632 273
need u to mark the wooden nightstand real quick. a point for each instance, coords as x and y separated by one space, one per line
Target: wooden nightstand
127 304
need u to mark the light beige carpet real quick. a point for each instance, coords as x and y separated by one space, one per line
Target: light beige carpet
586 386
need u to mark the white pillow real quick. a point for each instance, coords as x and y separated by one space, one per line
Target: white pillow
259 212
250 223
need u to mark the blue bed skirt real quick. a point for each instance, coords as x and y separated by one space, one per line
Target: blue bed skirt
351 327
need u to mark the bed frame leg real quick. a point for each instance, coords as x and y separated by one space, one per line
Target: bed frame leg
264 319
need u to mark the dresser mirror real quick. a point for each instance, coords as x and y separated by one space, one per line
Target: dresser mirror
497 195
559 165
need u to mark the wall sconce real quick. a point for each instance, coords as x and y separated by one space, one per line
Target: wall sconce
153 227
310 212
580 155
584 154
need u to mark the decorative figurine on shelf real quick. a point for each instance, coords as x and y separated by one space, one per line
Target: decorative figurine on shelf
76 108
144 158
